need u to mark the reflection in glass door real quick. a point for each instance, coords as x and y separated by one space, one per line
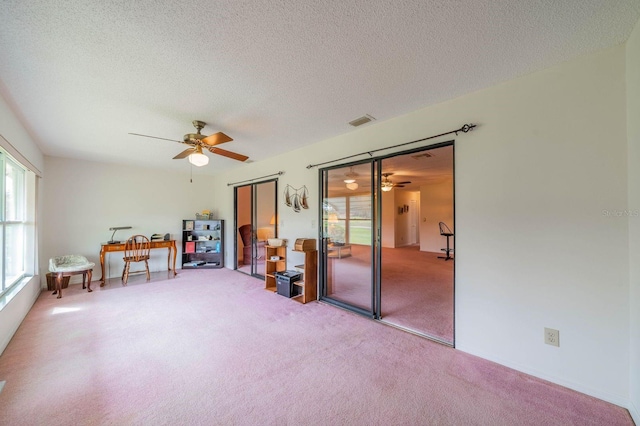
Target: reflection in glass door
347 227
256 214
381 241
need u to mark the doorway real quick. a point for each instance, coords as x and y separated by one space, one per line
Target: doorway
255 222
381 240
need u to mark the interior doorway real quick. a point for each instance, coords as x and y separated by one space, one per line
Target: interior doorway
381 239
255 220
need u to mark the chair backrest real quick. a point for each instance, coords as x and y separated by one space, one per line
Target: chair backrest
444 229
137 248
245 234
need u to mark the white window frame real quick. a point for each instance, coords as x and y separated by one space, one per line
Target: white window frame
8 282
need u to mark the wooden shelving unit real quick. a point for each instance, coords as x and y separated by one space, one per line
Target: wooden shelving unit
273 266
309 281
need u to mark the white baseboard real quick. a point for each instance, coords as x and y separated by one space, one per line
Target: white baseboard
635 413
619 400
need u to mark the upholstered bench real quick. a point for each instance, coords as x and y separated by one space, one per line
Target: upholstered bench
65 266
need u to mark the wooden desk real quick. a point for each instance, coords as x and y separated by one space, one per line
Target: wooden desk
170 245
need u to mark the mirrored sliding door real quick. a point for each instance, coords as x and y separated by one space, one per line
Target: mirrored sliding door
256 212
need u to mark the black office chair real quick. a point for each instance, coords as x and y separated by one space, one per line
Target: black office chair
445 231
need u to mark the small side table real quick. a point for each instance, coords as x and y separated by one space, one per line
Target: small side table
339 251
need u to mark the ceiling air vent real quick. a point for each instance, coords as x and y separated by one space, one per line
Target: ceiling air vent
362 120
422 155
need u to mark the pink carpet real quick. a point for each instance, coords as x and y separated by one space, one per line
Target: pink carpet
213 347
417 287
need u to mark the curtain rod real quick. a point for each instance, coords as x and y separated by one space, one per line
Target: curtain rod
466 128
261 177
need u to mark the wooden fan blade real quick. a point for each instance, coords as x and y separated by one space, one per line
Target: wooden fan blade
229 154
155 137
216 139
184 154
403 183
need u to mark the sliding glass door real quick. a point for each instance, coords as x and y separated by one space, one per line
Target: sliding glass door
347 236
256 213
382 249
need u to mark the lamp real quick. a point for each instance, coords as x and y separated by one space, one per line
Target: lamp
114 229
352 186
198 159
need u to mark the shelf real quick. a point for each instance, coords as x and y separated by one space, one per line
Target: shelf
309 281
273 266
203 250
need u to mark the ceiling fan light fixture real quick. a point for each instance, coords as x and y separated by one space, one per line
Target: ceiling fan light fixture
350 177
352 186
198 159
387 186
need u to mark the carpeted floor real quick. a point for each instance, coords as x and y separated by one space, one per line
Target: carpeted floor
213 347
417 287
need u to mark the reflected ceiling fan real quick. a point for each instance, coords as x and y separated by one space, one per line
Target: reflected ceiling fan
197 141
350 179
387 185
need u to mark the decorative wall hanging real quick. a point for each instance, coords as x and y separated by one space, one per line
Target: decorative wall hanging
296 198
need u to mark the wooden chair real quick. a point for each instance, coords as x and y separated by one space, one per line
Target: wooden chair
136 249
247 255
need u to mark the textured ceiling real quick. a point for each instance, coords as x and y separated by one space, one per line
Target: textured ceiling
273 74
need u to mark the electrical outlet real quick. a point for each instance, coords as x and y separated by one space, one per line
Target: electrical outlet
551 337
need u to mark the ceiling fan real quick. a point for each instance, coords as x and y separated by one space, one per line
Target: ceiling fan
387 185
197 141
350 179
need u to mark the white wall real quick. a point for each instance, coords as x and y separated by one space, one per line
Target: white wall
83 199
13 311
633 134
436 201
389 214
13 131
534 248
396 227
403 221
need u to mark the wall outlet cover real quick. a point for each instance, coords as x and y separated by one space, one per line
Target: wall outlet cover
551 337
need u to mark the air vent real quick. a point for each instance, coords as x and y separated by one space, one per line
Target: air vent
362 120
422 155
